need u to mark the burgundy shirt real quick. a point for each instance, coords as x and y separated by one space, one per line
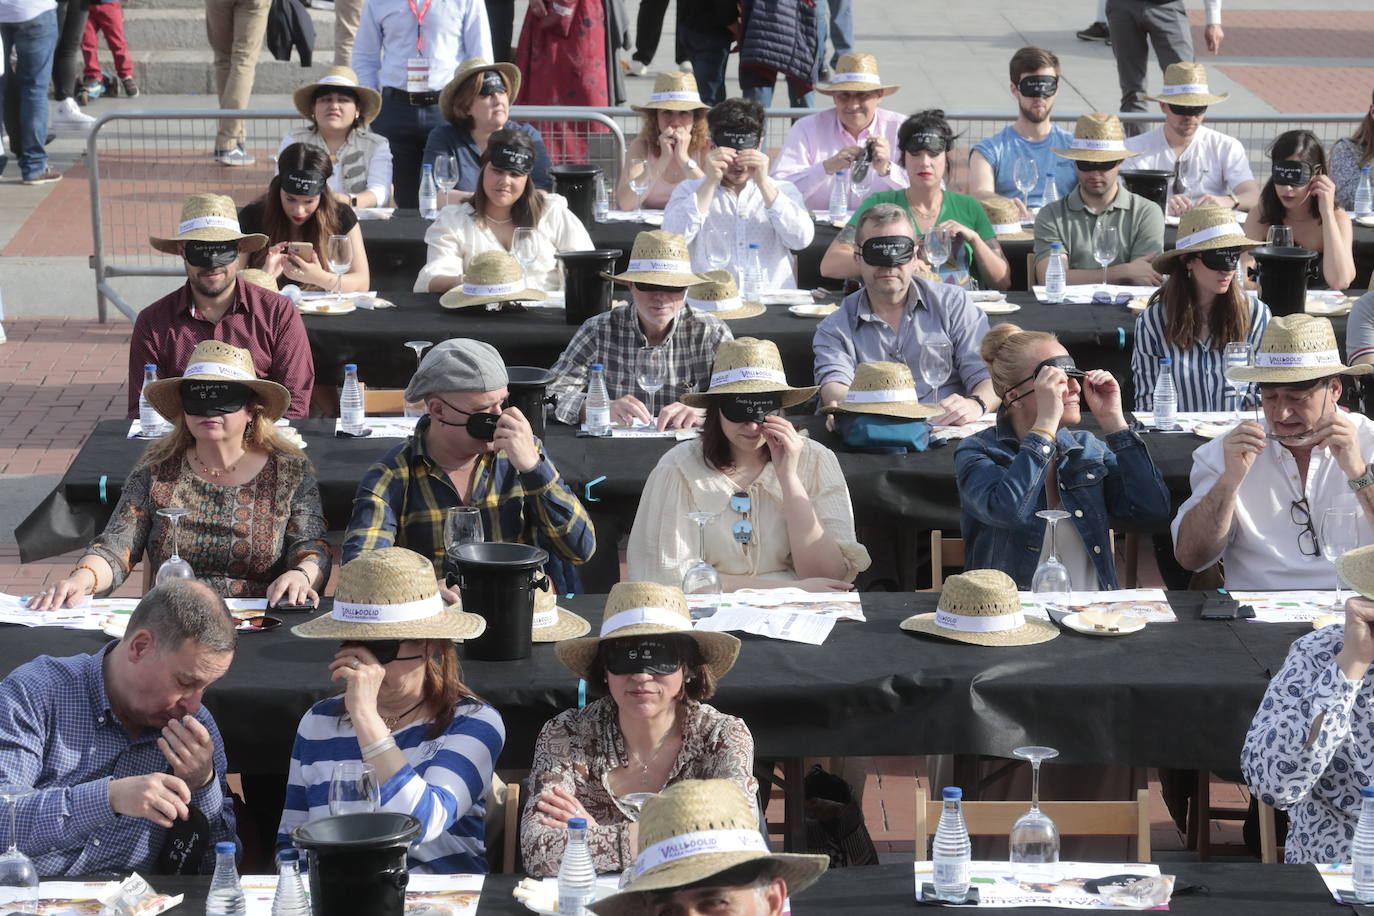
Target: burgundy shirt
264 323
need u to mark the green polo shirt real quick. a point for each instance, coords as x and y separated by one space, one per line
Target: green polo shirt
961 208
1139 225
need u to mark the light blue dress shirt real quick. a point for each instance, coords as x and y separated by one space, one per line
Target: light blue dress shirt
453 31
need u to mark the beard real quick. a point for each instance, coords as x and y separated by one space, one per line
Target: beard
208 287
1034 116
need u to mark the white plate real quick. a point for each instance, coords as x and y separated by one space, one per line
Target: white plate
1329 308
986 295
1001 307
1365 220
811 311
1211 430
554 912
326 307
1131 625
1326 620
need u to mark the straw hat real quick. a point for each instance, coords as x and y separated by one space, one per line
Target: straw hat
259 278
720 296
1186 84
553 623
208 218
661 258
216 361
673 91
369 100
1296 348
695 829
747 365
1005 218
887 389
642 609
857 73
390 594
981 607
471 67
1097 137
1356 568
492 276
1205 229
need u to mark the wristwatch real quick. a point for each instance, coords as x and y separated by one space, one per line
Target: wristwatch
353 201
1357 484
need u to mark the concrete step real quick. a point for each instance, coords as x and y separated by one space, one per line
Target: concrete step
163 28
192 72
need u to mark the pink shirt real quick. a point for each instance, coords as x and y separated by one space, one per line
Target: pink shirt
817 137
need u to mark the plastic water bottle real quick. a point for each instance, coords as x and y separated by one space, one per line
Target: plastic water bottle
598 404
839 196
352 418
1362 849
1055 274
1166 399
576 876
753 274
1364 194
429 193
290 899
1051 191
226 895
952 851
150 422
601 201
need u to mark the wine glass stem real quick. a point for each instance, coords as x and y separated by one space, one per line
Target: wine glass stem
701 540
1054 549
1340 594
175 523
14 827
1035 784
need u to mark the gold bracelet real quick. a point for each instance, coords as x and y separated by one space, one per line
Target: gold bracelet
95 576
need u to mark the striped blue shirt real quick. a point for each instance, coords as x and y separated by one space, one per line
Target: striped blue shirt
444 782
59 734
1199 371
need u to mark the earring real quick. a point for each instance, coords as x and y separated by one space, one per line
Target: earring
250 429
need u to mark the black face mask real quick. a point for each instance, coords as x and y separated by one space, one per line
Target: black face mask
889 250
492 83
386 650
1038 86
213 399
1188 111
480 425
210 254
1084 166
303 182
734 138
642 655
1220 258
749 408
1292 173
1064 362
514 159
927 140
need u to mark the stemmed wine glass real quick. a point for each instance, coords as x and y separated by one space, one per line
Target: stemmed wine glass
174 567
445 174
717 248
651 370
639 184
937 247
417 409
524 246
339 254
1024 174
1052 576
1034 838
353 788
1280 237
935 363
1340 534
18 877
1106 243
701 577
1237 356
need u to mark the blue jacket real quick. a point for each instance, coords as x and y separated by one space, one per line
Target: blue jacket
1002 486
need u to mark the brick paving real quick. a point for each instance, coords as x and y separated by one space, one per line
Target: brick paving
1305 33
1307 89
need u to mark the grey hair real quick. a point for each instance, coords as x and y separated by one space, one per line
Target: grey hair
183 609
882 215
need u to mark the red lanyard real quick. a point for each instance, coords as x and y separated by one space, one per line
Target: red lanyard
419 21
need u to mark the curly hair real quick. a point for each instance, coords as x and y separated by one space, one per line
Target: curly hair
649 129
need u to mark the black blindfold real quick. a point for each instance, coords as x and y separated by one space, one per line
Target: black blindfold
735 139
492 83
927 140
210 254
642 655
213 399
1293 173
385 650
480 426
514 159
1064 362
889 250
1038 87
1220 258
303 182
749 408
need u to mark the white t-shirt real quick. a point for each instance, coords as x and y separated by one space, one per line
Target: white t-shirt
1261 549
12 11
1227 165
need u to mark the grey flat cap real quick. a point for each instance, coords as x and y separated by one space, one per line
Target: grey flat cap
458 364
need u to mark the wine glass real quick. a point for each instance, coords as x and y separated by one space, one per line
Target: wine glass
1034 839
934 365
1052 576
1024 174
18 877
1340 534
339 253
937 247
353 788
1237 356
445 174
1106 243
1280 237
639 184
463 525
701 577
1190 176
174 567
524 246
417 409
717 248
651 370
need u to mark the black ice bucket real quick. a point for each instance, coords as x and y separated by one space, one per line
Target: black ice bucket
586 292
526 385
1152 184
577 183
358 862
1281 277
498 582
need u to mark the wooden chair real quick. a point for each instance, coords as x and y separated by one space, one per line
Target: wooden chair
1271 853
1201 813
503 825
383 402
1073 818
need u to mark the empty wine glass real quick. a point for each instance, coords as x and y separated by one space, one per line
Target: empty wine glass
701 577
339 253
417 409
717 248
639 182
445 174
1237 356
353 788
934 366
524 247
651 370
1024 174
1052 576
174 567
18 877
1034 838
1106 243
1190 176
1280 237
1340 534
937 247
463 525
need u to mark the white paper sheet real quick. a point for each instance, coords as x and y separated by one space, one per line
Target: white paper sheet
457 894
784 613
81 898
1289 607
998 887
386 427
136 431
1338 878
1082 293
1148 603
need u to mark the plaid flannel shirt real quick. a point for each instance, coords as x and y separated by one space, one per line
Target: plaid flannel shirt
615 338
402 500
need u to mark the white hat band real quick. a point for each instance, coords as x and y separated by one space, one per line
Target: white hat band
1230 227
715 305
966 624
208 222
658 616
223 370
1186 89
856 78
1006 228
1113 146
880 396
335 79
661 265
350 612
544 619
703 842
747 374
1297 360
493 289
674 97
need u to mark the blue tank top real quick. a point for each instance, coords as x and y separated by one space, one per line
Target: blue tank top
1003 148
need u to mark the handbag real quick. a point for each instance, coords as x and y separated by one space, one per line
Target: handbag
883 435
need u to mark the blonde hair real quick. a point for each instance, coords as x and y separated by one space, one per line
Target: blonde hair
260 434
1004 350
649 131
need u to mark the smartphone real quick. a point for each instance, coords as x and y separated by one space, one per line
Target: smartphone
302 250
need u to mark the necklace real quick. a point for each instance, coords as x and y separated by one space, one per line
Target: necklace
645 764
392 721
502 222
216 473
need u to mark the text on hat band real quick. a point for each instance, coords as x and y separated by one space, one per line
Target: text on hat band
747 374
715 305
1297 360
856 78
208 222
674 97
223 370
966 624
658 616
701 842
1006 228
545 618
353 612
1112 146
1186 89
661 265
880 396
1211 232
493 289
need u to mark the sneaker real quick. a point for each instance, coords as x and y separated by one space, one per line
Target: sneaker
638 68
1095 32
67 116
235 156
47 176
826 74
130 87
93 88
685 66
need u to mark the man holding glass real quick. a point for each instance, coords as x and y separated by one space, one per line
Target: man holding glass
1261 492
468 450
933 328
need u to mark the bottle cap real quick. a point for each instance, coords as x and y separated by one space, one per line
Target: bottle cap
953 792
428 167
754 245
577 823
1055 246
1367 792
1165 361
150 367
597 367
225 848
350 367
841 172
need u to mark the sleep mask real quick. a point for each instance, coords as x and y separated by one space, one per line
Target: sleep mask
1292 173
386 650
746 408
303 182
492 83
1064 362
642 655
1188 111
201 398
735 138
1038 86
514 159
1220 258
210 254
480 425
927 140
888 250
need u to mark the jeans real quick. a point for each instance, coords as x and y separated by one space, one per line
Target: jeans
235 29
406 127
31 45
757 83
1131 23
501 19
841 29
71 23
709 54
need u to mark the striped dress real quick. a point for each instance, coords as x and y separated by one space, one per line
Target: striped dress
1199 371
444 783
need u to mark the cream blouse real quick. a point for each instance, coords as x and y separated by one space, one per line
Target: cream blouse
457 235
663 542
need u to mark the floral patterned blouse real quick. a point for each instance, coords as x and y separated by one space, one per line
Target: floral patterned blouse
577 750
236 538
1319 783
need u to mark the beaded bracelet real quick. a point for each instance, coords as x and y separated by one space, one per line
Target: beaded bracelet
95 576
379 747
1048 434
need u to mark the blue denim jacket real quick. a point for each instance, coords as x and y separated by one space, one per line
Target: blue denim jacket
1002 486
